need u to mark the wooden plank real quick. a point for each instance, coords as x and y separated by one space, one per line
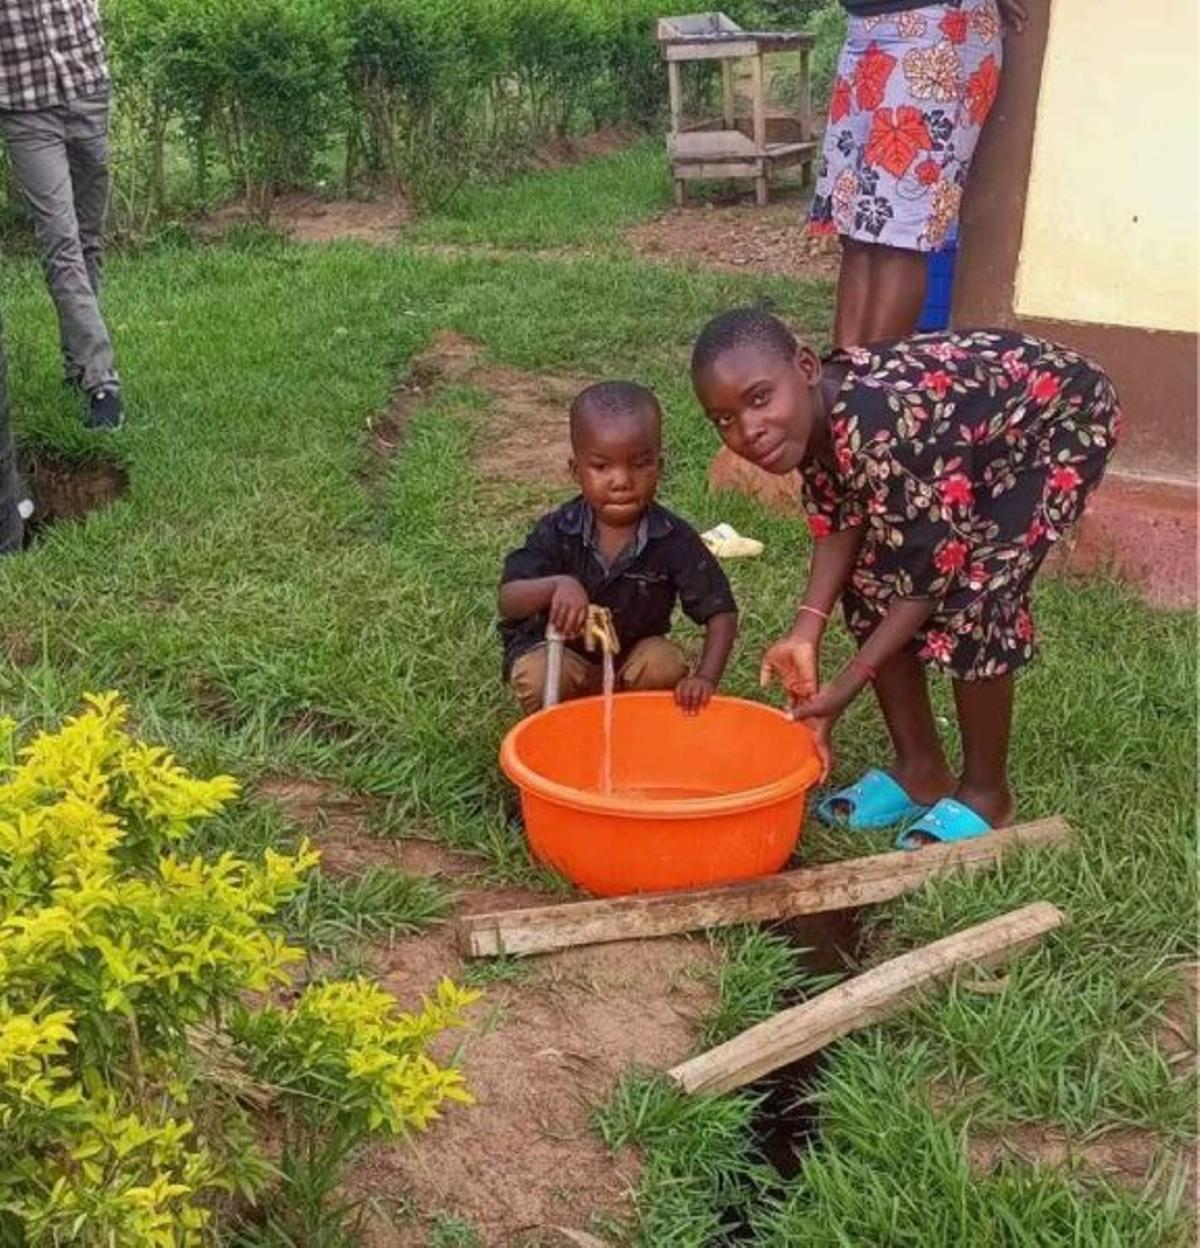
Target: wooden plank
695 25
691 125
758 98
806 119
806 116
713 145
789 151
710 50
714 171
675 88
728 114
866 999
810 890
780 40
733 44
758 94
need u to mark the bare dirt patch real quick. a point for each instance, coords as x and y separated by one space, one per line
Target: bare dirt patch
542 1051
570 150
542 1048
1127 1157
307 218
738 239
526 425
449 358
21 649
525 436
339 825
66 489
1178 1034
311 721
213 701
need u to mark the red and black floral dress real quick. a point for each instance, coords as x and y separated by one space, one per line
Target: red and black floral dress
966 456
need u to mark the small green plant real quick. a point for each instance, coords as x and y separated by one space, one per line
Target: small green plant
344 1061
504 969
448 1231
327 913
700 1165
758 973
124 973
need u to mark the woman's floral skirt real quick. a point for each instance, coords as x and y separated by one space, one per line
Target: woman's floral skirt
912 93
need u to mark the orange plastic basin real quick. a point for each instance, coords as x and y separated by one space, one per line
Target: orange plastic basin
696 800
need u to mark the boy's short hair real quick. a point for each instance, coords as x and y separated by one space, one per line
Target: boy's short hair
612 401
751 326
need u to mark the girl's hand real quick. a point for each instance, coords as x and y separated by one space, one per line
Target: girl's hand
1014 14
827 704
568 607
795 661
819 713
822 730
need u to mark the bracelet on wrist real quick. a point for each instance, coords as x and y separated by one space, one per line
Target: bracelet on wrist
865 670
804 609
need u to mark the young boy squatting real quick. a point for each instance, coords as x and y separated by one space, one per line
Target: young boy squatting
615 546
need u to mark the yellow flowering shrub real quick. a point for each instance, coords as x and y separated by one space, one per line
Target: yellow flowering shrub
114 950
351 1035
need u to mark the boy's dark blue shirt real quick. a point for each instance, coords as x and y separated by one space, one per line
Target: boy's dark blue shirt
667 562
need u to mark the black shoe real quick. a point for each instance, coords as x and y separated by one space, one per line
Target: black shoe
104 410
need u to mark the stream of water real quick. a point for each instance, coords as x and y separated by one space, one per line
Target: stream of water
610 682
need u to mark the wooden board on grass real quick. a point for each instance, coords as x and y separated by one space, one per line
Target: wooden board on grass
873 995
810 890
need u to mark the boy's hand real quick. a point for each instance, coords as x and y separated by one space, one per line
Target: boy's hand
568 607
693 694
795 662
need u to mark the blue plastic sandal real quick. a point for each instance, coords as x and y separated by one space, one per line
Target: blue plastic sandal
876 801
947 821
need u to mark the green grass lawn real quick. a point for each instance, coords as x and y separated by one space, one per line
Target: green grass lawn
265 613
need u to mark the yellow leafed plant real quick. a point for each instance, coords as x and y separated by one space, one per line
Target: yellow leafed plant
116 950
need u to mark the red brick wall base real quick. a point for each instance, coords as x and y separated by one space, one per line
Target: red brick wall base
1144 531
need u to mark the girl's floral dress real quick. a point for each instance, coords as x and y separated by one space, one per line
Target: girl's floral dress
965 456
912 92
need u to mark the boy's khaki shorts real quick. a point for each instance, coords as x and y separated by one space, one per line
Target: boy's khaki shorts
654 663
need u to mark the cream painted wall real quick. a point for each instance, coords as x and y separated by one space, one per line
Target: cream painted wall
1112 233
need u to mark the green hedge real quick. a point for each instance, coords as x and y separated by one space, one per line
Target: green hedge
252 97
423 92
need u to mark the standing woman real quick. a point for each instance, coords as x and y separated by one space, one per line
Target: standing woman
915 83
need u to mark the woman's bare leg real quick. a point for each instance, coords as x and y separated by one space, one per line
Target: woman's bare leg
985 720
920 766
896 294
853 294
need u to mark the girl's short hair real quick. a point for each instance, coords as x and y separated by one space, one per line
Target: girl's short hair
750 326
